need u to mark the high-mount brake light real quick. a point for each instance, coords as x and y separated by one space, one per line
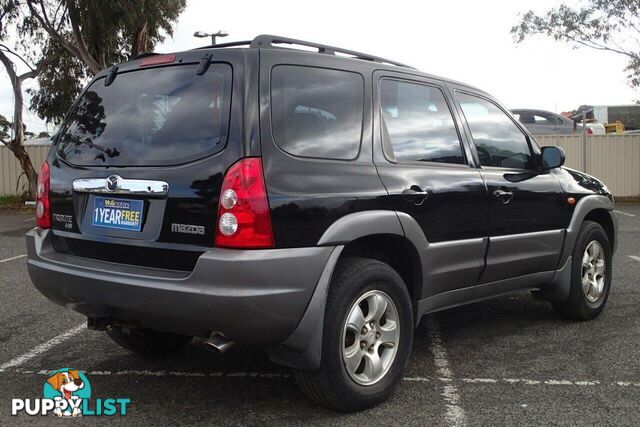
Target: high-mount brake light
43 210
156 60
243 211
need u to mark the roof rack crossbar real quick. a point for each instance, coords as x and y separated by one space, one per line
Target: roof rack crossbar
268 40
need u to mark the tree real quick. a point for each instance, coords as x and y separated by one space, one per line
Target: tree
96 34
607 25
11 18
103 32
5 127
64 42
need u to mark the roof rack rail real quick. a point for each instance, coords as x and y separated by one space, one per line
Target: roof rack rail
269 40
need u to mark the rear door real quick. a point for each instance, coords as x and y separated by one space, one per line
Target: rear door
139 162
428 173
527 209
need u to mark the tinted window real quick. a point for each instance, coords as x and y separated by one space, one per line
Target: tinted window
159 116
498 140
418 123
317 112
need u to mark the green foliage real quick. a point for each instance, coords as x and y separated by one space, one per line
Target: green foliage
11 201
115 30
5 127
84 36
60 83
607 25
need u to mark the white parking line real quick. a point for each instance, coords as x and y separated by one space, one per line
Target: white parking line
636 258
455 414
42 348
12 258
278 375
624 213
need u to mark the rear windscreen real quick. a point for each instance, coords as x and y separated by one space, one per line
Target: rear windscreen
161 116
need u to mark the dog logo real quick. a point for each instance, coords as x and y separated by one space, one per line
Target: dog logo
69 387
67 393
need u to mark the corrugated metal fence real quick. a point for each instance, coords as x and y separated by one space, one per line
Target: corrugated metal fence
11 181
615 159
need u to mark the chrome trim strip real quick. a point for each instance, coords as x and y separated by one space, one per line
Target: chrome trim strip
114 184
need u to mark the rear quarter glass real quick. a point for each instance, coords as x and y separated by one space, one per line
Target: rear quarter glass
150 117
317 112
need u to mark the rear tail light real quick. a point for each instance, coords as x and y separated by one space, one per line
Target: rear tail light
243 211
589 131
43 211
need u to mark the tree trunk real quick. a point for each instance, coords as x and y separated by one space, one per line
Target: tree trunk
16 145
27 167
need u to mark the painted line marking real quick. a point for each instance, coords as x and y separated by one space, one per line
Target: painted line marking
624 213
278 375
42 348
454 414
636 258
12 258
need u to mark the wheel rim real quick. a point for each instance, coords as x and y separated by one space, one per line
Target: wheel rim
370 337
593 271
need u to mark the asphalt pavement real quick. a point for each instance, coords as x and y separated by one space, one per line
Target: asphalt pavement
507 361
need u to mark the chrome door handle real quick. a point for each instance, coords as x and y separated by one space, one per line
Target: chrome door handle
416 195
503 196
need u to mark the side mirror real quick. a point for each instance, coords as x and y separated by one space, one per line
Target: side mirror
552 157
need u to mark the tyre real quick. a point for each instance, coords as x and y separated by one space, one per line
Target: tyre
147 342
367 339
591 274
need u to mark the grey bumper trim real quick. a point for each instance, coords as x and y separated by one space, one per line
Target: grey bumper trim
252 296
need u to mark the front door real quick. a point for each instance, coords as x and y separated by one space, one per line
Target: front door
527 210
425 168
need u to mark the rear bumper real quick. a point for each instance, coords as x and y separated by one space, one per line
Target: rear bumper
252 296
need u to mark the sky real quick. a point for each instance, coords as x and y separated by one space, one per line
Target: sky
464 40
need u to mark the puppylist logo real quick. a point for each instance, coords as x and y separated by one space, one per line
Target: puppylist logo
67 393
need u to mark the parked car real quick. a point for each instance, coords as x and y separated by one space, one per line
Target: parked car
540 122
314 204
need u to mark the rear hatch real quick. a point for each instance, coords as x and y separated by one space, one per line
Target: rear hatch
138 165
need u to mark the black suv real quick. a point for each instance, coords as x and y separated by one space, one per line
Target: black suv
314 203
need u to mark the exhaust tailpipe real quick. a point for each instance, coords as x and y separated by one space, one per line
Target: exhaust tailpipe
217 343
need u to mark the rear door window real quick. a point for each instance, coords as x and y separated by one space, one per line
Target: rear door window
317 112
161 116
418 123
